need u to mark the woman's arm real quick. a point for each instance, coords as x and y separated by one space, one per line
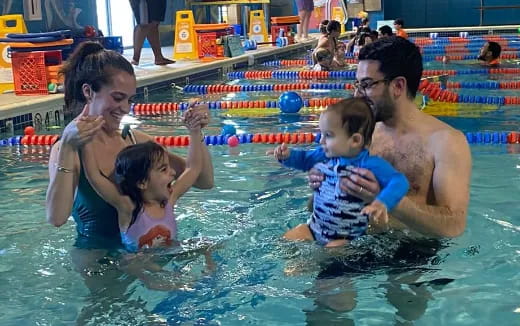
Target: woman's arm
64 166
64 172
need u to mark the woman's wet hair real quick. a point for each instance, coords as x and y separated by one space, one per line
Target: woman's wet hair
362 39
356 116
133 166
333 26
323 26
90 64
495 49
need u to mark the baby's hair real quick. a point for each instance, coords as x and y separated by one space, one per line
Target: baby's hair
322 54
133 166
356 117
323 26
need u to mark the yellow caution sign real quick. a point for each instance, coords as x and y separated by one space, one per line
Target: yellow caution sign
257 28
8 24
339 15
185 46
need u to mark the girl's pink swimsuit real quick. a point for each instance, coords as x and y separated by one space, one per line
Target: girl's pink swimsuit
149 232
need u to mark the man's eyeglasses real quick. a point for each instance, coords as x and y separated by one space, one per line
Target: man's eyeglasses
364 85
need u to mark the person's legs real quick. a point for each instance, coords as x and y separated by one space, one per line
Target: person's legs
299 27
140 12
301 232
156 10
155 43
306 23
140 32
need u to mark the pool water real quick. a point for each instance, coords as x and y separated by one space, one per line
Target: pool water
258 278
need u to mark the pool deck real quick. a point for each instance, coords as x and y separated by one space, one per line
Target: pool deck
15 110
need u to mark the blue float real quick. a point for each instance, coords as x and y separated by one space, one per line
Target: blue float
290 102
229 130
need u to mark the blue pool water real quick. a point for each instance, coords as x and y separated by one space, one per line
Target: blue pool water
260 279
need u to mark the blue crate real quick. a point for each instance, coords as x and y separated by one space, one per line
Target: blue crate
113 43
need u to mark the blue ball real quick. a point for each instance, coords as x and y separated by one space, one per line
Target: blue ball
229 130
290 102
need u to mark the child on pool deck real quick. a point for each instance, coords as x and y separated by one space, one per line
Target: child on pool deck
346 131
143 173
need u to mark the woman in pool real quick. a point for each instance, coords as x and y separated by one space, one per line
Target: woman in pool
103 83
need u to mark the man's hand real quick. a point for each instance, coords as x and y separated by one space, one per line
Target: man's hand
361 184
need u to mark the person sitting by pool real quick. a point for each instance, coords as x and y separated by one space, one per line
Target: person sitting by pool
364 27
399 28
322 59
330 41
105 81
143 173
385 31
490 54
339 60
346 132
356 44
374 35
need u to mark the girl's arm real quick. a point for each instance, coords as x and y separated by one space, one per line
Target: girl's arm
205 179
105 188
193 166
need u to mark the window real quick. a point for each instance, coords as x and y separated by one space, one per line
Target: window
115 18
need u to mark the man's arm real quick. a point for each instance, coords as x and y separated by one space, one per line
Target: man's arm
451 182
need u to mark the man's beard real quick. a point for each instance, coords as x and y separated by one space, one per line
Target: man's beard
384 107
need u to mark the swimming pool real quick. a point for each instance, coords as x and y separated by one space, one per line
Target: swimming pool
260 279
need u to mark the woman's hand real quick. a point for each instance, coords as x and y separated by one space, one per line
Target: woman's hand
192 120
362 184
82 129
201 110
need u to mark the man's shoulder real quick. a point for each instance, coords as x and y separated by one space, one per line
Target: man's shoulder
448 141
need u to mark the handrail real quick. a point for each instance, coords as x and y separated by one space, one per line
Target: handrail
460 29
497 7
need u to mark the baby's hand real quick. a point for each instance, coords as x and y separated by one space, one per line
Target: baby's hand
281 152
377 212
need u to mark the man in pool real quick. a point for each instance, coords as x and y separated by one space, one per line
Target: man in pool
489 54
434 156
437 162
